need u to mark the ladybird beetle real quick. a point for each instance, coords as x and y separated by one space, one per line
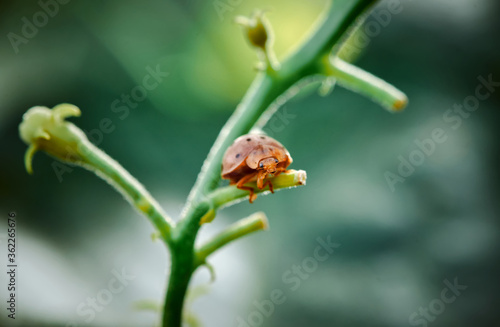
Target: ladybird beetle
254 157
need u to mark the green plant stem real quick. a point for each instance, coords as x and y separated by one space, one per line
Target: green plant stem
266 87
112 172
256 222
182 268
184 259
362 82
311 58
181 271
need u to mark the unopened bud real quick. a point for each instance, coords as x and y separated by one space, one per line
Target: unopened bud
46 130
257 29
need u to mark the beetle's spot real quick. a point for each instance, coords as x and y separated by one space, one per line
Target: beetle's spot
263 137
238 155
249 139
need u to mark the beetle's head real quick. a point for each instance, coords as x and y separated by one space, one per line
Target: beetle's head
268 164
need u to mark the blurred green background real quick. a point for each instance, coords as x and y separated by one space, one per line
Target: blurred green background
397 247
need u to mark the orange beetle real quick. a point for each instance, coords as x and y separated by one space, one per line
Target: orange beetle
254 157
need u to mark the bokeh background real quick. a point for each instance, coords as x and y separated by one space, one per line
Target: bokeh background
397 247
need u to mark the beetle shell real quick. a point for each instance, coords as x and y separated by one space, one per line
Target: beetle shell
243 156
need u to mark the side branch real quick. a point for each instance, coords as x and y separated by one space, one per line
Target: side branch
362 82
229 195
45 129
256 222
112 172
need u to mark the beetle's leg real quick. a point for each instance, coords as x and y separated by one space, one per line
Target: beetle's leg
268 182
241 186
260 179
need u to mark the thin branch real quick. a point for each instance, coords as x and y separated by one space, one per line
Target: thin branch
360 81
112 172
45 129
229 195
256 222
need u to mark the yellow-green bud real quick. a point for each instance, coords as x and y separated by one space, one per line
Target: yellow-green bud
45 129
257 29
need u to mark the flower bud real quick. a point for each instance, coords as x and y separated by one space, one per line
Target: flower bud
257 29
45 129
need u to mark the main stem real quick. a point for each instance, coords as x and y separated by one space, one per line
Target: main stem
183 265
180 275
266 87
259 96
